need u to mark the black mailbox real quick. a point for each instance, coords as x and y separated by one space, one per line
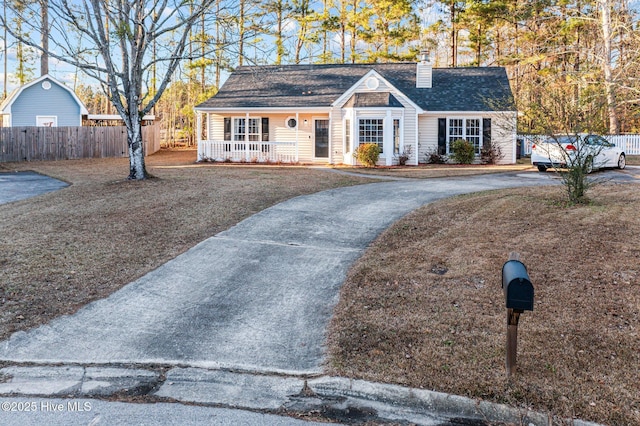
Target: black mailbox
518 290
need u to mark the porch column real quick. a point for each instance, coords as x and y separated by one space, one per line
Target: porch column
246 137
416 148
199 134
387 141
297 137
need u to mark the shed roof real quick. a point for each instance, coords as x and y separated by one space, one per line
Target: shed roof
291 86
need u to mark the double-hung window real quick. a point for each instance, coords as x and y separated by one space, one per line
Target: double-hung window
469 129
371 130
246 129
242 128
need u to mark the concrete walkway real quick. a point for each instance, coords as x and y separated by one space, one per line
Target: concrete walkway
241 317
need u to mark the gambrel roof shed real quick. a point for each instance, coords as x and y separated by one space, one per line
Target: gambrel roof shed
44 101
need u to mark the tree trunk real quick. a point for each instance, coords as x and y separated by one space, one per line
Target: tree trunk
44 55
605 9
241 32
137 168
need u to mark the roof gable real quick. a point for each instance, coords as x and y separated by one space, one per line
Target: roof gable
300 86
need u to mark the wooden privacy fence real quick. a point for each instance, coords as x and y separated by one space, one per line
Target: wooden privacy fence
65 143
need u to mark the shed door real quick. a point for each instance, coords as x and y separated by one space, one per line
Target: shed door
322 138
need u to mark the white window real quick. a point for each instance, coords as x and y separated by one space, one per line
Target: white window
241 129
469 129
347 135
371 130
396 136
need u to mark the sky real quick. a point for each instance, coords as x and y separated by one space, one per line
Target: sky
69 75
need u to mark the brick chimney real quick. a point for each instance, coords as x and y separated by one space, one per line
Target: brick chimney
424 71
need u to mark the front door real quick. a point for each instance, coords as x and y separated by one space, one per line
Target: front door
321 138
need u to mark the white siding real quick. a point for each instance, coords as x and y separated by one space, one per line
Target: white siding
427 136
503 133
337 136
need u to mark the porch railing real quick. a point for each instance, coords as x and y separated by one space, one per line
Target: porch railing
248 152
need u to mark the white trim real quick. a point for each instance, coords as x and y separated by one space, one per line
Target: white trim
487 112
275 110
464 130
54 117
291 117
417 146
313 139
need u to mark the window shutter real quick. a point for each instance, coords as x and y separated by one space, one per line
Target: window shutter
265 129
227 128
486 132
442 136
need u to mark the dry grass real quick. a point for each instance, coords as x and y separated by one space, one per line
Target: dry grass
400 321
633 160
438 170
64 249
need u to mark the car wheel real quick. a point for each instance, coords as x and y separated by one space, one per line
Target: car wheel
622 162
542 169
588 166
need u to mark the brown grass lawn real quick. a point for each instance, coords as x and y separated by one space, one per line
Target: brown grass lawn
424 306
64 249
438 170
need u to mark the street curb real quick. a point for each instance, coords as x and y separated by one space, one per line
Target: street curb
389 399
337 398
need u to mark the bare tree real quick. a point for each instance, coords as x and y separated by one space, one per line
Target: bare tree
118 36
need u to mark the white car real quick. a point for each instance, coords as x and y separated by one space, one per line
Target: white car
562 151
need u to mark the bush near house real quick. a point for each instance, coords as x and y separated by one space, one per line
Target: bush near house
463 152
368 154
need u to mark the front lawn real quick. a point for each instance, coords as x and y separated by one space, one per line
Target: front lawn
424 306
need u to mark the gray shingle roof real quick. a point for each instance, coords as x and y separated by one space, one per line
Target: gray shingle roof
372 100
291 86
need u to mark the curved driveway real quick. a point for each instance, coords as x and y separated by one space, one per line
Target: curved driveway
257 297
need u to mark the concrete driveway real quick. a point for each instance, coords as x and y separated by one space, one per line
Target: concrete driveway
16 186
256 297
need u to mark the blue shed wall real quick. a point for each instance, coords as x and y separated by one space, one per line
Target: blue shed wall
35 101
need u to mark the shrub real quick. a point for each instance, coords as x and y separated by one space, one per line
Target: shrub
434 157
404 157
490 154
367 154
463 152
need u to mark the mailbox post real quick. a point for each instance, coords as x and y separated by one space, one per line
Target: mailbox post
518 294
